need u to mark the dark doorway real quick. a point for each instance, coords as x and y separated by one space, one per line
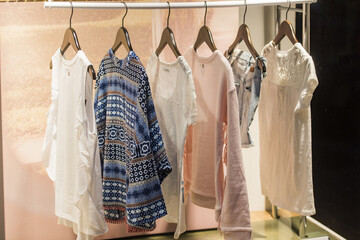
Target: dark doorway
335 48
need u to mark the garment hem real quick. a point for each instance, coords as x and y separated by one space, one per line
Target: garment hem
129 227
203 201
250 145
65 221
286 207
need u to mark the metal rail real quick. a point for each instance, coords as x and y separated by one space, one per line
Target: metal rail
164 5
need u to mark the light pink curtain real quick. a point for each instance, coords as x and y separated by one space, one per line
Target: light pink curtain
30 35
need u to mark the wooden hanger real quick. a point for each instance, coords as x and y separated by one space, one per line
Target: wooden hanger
285 29
71 39
205 35
122 36
168 38
244 34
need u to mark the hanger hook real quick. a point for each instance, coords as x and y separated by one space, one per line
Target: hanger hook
245 12
288 9
126 11
167 22
72 11
205 13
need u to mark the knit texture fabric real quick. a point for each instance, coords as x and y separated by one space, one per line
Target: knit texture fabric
210 182
130 144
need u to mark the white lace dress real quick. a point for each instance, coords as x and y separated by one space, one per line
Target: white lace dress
285 129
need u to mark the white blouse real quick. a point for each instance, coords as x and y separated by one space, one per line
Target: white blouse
174 96
70 152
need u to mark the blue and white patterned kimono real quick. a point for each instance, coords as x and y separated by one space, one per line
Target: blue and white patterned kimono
130 143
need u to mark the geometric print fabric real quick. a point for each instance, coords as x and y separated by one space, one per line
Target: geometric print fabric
132 153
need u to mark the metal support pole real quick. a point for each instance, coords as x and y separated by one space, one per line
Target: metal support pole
302 227
306 45
274 211
277 15
277 21
306 26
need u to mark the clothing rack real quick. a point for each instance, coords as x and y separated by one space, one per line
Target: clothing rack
164 5
213 4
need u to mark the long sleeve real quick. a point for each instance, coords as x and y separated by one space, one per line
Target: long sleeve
190 99
156 141
235 215
204 175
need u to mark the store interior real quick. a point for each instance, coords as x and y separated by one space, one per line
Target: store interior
29 36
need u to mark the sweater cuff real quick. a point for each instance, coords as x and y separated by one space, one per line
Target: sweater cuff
237 235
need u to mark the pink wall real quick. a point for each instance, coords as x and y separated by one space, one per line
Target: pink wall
29 37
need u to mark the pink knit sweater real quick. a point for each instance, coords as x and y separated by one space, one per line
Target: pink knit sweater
214 177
